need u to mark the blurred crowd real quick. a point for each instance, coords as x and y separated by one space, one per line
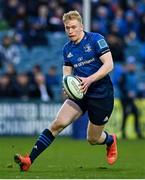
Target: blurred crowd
31 20
32 85
121 22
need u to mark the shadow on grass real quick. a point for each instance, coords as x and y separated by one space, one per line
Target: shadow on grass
101 169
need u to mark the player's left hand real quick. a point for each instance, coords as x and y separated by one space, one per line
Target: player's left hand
85 83
64 92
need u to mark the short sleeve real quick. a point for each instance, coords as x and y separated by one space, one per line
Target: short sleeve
101 45
66 61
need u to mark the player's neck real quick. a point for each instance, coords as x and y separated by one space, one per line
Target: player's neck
80 38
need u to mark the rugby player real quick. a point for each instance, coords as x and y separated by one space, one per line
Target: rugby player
87 56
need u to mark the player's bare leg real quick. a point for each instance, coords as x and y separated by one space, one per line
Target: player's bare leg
96 135
68 113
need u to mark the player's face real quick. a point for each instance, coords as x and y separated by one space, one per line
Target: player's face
74 30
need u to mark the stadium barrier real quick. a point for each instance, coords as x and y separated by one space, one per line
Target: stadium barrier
27 118
30 118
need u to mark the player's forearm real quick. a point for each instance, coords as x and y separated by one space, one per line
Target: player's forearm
102 72
67 70
105 68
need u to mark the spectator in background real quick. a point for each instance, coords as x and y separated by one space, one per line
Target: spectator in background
9 53
76 5
55 23
11 72
35 69
118 22
129 90
116 45
133 46
6 87
142 27
37 28
100 20
52 77
42 91
22 87
10 11
21 24
131 23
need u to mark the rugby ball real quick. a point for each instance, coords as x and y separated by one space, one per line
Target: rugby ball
71 85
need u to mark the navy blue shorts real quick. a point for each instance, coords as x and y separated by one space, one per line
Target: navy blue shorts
99 110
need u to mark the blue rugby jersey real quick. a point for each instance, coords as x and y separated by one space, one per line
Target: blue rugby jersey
84 58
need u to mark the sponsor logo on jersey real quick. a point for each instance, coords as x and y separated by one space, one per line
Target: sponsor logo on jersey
84 63
102 43
69 55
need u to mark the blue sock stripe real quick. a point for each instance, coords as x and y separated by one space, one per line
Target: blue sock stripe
46 138
43 141
40 140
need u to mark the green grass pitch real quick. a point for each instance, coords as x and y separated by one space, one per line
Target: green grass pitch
68 159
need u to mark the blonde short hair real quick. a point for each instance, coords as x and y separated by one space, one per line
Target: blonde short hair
71 15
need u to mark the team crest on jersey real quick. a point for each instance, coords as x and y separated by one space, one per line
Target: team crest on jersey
69 55
87 48
102 43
